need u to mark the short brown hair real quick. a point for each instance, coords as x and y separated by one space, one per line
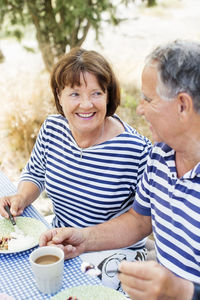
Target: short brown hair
68 69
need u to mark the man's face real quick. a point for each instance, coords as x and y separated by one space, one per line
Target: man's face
161 115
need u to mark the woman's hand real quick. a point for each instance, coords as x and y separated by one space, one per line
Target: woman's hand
149 280
26 194
16 203
71 240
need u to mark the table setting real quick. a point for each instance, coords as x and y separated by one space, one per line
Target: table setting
16 276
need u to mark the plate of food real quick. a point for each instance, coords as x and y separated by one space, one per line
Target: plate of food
89 292
12 242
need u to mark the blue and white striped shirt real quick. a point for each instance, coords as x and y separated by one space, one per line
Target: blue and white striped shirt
91 185
174 206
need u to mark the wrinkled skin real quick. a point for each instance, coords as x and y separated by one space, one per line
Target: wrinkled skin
71 240
151 281
141 280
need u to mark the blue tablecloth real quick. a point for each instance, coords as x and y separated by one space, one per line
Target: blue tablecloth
16 278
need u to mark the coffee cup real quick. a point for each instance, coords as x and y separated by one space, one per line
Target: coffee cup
47 266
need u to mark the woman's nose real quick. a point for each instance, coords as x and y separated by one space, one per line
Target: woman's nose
85 102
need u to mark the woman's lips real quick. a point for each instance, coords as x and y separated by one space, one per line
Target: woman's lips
86 116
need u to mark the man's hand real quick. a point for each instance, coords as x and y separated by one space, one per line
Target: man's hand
149 280
71 240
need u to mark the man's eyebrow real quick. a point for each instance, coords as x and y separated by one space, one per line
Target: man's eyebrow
145 98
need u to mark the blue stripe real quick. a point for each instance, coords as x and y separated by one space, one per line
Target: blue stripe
110 170
167 201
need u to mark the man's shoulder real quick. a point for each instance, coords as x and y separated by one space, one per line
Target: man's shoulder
161 154
162 149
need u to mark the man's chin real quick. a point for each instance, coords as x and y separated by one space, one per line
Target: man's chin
156 139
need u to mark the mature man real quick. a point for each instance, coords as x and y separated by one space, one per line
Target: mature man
168 196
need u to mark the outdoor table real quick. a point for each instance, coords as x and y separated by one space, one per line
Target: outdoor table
16 278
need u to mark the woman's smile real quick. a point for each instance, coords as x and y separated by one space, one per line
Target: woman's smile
86 115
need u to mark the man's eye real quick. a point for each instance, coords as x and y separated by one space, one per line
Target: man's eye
145 98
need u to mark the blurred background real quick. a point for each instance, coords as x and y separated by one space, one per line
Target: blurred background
34 34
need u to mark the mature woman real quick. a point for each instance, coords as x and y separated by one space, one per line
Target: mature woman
88 159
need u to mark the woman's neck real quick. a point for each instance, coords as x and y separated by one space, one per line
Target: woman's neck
109 129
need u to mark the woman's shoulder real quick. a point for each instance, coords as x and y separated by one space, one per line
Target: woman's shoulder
55 118
54 123
130 133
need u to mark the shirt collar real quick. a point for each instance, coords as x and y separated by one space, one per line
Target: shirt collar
169 156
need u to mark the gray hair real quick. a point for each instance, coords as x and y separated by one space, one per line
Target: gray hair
178 65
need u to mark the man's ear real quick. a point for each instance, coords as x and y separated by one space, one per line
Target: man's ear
185 104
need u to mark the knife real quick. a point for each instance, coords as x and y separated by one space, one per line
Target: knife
17 230
7 208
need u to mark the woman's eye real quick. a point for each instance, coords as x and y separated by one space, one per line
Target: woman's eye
97 93
74 94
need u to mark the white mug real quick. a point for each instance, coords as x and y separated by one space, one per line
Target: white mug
48 275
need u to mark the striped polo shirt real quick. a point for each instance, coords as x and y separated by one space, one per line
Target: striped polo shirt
91 185
174 206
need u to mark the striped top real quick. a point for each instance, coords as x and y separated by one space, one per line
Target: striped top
174 206
91 185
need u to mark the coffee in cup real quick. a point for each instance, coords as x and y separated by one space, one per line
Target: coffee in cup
46 259
47 266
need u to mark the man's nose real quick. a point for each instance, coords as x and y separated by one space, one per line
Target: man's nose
140 108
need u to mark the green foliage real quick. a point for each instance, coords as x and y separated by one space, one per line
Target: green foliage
1 57
129 99
128 110
151 3
58 24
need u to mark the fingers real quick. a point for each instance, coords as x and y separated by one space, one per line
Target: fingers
63 235
140 269
70 251
54 236
65 238
3 202
16 205
15 209
46 238
135 287
131 283
143 280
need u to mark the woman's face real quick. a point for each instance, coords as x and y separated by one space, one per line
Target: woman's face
84 106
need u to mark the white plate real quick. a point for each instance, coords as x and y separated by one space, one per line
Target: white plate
30 226
90 292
